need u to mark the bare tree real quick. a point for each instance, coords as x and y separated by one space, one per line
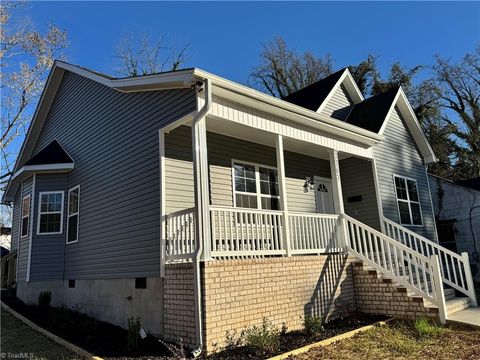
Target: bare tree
26 56
283 71
140 55
459 90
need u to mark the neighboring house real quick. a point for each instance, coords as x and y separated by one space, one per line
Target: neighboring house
7 258
5 237
202 206
457 210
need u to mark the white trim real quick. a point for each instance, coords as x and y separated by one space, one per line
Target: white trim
30 238
258 192
25 170
356 93
408 201
431 205
163 210
74 214
22 216
377 192
50 212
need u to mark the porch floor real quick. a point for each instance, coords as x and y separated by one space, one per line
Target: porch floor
469 316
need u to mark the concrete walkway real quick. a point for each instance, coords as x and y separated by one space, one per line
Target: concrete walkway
469 316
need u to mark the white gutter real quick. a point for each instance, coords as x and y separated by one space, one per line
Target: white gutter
199 166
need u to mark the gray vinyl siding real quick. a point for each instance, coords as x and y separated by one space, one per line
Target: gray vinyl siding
113 139
16 215
398 154
22 258
339 104
47 262
358 180
221 150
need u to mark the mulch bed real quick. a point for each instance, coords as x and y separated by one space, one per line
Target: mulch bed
97 337
110 341
296 339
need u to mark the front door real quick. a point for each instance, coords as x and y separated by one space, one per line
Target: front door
324 196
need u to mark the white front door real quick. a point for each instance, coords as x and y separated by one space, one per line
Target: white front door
324 195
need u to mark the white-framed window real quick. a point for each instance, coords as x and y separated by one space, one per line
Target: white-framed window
25 226
50 212
73 216
255 186
408 201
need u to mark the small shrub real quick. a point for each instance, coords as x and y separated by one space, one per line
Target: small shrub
232 341
426 328
177 351
264 338
133 337
312 325
44 299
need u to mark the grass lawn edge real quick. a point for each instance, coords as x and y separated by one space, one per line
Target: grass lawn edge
53 337
331 340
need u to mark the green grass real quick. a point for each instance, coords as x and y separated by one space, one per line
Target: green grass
419 340
18 338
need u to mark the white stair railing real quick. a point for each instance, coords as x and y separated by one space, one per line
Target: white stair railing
404 265
312 233
180 235
454 268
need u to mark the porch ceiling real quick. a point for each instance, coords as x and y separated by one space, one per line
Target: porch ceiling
242 132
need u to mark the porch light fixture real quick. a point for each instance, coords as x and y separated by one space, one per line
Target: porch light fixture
309 184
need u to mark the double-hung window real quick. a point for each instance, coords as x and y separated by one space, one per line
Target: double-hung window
25 215
408 201
73 214
50 213
255 186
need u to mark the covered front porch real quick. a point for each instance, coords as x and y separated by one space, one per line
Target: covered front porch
260 193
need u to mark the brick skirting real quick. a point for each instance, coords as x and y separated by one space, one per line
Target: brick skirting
237 294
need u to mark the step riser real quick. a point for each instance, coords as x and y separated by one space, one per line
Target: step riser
453 303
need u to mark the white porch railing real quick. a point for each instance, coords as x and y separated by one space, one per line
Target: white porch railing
406 266
180 235
455 269
314 233
246 232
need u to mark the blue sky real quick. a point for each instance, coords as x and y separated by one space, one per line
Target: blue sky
226 38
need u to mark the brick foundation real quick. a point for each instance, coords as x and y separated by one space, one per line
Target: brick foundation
237 294
240 293
380 296
179 303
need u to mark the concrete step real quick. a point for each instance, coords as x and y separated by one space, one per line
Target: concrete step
449 294
457 304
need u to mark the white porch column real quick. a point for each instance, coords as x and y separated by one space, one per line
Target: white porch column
336 182
337 193
283 193
202 192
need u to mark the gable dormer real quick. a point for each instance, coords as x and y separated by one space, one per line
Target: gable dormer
332 96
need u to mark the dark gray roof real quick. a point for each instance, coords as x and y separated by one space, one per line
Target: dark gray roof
53 153
370 113
312 96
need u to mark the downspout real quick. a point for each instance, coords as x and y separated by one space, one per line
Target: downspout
200 206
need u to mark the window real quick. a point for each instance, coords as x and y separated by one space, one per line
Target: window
50 214
408 201
25 215
73 214
71 284
255 186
